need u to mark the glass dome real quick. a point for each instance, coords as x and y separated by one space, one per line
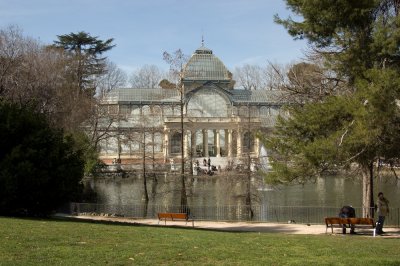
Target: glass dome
204 66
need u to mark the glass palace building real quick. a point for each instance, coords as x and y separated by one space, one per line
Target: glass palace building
219 121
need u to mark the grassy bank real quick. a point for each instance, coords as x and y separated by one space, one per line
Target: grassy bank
50 242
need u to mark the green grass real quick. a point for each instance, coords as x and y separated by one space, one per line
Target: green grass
53 242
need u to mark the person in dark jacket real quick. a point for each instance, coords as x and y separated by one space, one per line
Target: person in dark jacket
347 212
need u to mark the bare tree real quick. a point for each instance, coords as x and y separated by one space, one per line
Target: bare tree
250 77
31 73
273 76
112 79
307 81
141 134
148 76
177 60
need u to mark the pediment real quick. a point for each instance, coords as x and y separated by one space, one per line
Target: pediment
210 86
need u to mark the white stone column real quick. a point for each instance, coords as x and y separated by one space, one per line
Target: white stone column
257 147
205 142
166 144
193 142
229 142
239 143
185 144
217 143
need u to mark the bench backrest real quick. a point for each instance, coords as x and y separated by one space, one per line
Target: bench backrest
173 215
333 220
361 221
338 220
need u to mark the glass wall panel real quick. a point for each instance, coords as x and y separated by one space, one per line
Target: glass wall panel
208 103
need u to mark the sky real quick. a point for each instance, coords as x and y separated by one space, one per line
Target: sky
238 31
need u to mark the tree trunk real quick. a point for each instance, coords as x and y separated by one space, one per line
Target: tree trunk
250 213
367 188
146 194
183 185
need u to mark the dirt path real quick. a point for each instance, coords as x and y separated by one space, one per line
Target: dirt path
313 229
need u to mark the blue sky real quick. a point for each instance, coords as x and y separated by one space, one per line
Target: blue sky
238 31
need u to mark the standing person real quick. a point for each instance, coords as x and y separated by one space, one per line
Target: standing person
209 164
382 205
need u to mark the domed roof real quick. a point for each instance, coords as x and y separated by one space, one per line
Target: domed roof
205 66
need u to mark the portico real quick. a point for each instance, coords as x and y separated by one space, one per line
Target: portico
213 137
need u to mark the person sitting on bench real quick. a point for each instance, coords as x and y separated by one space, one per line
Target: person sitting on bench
347 212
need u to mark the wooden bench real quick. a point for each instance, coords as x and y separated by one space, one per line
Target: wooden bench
171 216
347 222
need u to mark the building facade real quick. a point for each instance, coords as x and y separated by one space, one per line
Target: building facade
218 121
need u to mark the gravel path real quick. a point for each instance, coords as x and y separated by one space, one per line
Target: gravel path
293 228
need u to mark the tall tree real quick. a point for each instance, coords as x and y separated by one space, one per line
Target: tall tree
177 60
87 72
358 40
86 60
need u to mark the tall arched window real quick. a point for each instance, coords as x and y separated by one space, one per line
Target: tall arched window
264 111
135 110
254 111
176 142
168 111
158 142
248 142
146 110
208 103
244 111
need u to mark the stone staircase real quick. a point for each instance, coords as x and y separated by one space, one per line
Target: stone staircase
216 161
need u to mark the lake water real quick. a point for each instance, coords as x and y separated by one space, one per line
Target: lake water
326 193
223 198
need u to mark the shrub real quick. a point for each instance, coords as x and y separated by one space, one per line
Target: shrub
40 168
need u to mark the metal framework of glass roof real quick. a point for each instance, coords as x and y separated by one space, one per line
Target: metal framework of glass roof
203 65
208 72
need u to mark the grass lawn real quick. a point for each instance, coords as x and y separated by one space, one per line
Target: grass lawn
53 242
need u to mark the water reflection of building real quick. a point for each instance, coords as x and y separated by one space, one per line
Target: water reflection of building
218 121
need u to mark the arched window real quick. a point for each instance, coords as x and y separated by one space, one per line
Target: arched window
274 110
264 111
112 146
157 110
158 142
254 111
176 142
235 111
168 110
135 110
125 145
124 109
208 103
146 110
244 111
248 142
135 139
